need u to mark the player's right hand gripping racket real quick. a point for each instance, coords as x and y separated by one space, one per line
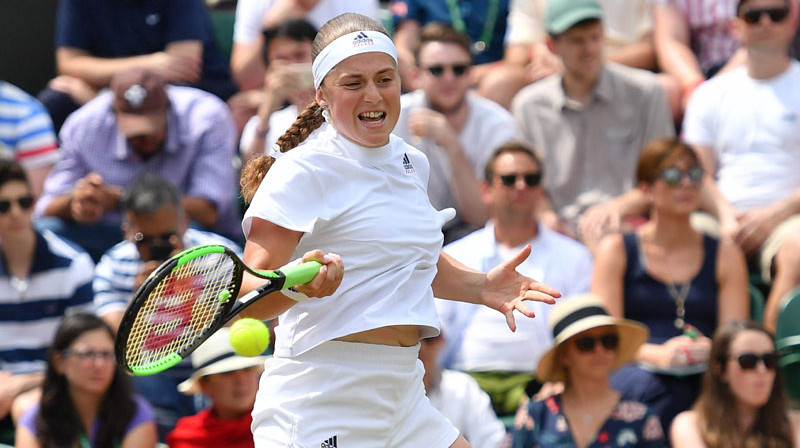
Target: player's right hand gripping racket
188 298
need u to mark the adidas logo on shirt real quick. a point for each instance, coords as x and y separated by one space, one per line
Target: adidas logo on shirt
407 164
330 443
362 39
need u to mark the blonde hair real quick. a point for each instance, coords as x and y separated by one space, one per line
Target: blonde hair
311 117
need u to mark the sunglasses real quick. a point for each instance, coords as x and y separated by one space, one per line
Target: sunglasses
438 70
531 179
672 176
24 202
90 355
776 15
749 361
585 344
141 238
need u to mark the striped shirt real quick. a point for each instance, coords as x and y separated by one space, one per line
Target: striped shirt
115 275
60 282
709 29
26 131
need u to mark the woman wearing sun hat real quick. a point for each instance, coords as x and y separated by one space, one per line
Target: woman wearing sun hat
588 345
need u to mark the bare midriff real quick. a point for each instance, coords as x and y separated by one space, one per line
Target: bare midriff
396 335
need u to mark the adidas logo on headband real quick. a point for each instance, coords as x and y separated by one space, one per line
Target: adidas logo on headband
362 39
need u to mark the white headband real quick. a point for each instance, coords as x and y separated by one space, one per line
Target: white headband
350 45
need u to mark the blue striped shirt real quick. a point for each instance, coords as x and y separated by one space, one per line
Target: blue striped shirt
26 130
115 275
60 282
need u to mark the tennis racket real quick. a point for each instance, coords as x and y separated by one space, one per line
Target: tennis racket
188 298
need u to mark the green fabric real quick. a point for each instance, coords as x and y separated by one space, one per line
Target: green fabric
222 26
505 389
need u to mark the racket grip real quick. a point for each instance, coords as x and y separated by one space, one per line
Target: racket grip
300 274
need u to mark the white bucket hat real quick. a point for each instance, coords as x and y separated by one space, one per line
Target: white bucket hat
214 356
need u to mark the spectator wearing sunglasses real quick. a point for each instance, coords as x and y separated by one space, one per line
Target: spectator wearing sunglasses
588 345
155 227
743 402
479 342
42 278
746 127
589 125
454 127
679 282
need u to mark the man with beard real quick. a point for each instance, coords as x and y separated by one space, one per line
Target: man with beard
455 128
182 134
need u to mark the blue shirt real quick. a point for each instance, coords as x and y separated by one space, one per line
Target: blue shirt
123 28
26 131
473 13
60 282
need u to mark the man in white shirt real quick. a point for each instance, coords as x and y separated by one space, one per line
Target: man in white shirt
746 126
478 342
455 128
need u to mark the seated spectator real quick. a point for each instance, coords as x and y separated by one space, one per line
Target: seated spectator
484 22
27 134
98 39
479 341
288 85
86 399
679 282
459 398
230 382
42 278
253 16
743 402
746 127
155 228
455 128
589 125
589 345
142 125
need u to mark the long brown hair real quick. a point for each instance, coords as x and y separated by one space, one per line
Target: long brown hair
311 117
771 428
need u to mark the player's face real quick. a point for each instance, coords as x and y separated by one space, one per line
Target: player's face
444 70
362 94
581 49
16 207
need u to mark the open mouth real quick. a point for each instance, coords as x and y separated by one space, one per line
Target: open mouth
372 117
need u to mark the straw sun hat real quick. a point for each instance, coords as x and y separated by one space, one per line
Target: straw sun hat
216 356
576 314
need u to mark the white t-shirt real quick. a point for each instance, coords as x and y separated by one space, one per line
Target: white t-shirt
249 14
459 398
487 127
753 126
368 205
486 343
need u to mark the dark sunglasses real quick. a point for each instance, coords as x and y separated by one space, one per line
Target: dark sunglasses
776 15
438 70
672 176
531 179
586 344
24 202
749 361
141 238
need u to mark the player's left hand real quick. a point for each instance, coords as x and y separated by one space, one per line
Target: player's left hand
507 290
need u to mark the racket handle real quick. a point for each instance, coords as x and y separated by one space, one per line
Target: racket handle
300 274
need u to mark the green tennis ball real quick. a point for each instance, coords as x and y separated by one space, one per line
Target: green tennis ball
249 337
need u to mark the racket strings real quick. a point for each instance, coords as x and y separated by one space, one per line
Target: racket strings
180 308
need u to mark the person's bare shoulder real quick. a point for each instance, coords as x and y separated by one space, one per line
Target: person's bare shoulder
684 432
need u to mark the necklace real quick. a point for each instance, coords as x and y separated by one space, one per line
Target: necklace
482 44
679 295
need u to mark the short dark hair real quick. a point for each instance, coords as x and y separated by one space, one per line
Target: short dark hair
510 147
299 30
148 194
742 2
12 170
442 32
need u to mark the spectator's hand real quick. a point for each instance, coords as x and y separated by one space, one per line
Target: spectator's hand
756 225
91 198
675 351
281 83
77 89
181 69
427 123
543 64
327 279
506 289
700 350
552 221
548 390
7 393
598 221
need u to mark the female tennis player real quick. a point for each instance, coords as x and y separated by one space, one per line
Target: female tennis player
345 371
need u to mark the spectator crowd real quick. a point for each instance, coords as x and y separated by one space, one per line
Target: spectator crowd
647 150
